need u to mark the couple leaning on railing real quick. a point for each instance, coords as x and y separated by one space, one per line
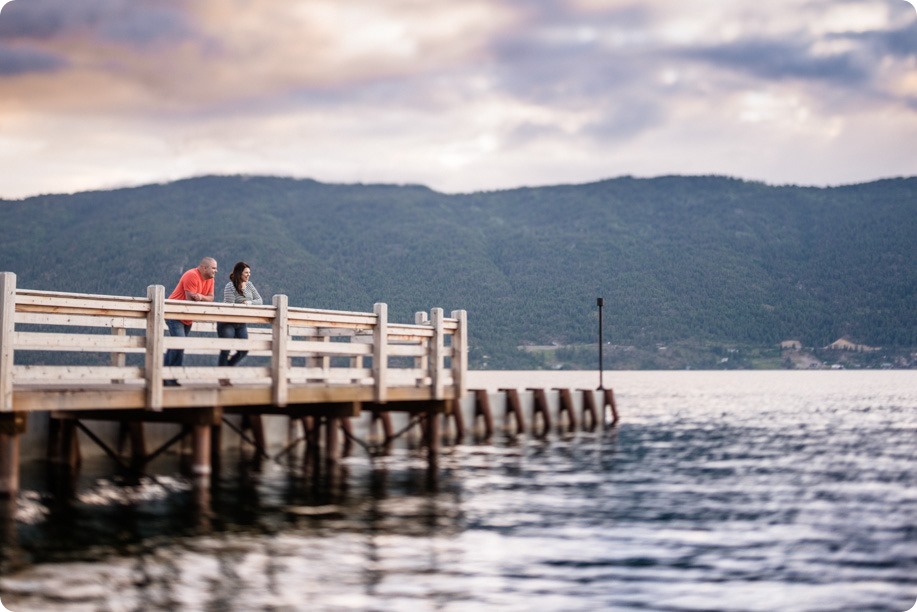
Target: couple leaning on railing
196 285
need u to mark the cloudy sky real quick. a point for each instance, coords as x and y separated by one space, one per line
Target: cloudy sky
459 95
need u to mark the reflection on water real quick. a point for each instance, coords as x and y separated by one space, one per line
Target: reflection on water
713 494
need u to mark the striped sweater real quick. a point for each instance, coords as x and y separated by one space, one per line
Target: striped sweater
249 294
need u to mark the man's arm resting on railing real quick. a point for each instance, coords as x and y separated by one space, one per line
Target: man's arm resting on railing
198 297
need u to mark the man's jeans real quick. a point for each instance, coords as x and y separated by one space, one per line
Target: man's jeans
232 330
177 329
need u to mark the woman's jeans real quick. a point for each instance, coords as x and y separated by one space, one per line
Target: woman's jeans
232 330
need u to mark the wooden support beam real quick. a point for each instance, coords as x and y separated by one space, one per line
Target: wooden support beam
332 440
12 425
252 421
383 419
200 444
7 336
434 434
133 431
9 465
70 445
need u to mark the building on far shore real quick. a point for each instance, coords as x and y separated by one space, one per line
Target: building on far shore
793 345
844 344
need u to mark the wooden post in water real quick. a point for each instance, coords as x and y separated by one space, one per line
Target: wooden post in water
12 425
608 401
200 444
513 411
455 412
332 445
540 407
434 432
482 410
590 414
566 406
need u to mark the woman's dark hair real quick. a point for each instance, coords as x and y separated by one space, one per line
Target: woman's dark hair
236 276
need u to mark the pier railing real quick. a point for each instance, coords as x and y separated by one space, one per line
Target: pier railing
62 351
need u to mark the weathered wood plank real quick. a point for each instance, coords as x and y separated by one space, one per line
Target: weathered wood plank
437 364
332 376
299 348
280 360
211 374
67 320
50 295
26 374
93 312
25 297
39 341
409 332
459 352
197 344
380 351
406 350
155 332
330 318
7 338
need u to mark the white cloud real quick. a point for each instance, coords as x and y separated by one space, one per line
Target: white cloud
460 96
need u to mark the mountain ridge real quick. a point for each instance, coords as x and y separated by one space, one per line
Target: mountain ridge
708 260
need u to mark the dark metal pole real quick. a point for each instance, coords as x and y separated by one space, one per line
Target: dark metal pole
600 302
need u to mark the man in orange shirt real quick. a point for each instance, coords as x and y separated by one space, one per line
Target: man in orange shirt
196 285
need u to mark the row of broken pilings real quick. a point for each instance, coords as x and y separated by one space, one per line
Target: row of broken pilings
592 414
433 429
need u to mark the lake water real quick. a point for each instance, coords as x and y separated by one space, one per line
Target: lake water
718 491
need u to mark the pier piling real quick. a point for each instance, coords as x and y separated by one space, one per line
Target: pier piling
540 412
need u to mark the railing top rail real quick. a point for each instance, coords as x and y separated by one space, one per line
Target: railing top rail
83 296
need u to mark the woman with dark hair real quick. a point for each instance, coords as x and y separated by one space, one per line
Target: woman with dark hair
239 290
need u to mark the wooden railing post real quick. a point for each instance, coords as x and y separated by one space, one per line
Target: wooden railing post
422 363
460 354
155 330
280 362
436 353
7 333
380 351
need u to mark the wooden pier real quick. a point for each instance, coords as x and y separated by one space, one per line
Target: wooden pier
81 357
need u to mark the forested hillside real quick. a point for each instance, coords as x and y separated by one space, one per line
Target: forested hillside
701 260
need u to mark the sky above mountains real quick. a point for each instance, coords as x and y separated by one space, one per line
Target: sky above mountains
458 95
